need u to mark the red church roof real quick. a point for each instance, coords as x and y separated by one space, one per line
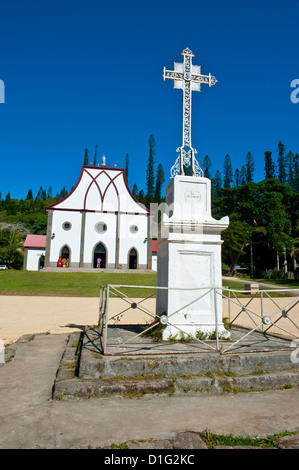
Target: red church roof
35 241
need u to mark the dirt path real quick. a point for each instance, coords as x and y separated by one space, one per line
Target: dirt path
22 315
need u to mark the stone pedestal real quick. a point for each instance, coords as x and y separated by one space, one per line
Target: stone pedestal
189 259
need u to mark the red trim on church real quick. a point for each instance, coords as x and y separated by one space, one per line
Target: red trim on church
103 168
39 241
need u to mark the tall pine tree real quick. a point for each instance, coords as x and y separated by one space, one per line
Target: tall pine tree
150 178
207 164
296 173
227 172
269 167
281 163
249 167
95 156
243 175
216 183
159 182
85 157
290 166
29 194
127 167
135 190
237 177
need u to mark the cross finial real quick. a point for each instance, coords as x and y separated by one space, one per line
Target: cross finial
187 51
187 77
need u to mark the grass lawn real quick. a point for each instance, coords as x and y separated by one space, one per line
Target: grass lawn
292 283
77 284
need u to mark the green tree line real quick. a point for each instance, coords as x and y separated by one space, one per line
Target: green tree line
264 217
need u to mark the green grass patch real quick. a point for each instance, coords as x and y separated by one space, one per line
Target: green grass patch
213 440
291 283
13 282
71 284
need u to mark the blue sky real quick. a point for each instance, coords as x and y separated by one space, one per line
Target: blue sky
80 73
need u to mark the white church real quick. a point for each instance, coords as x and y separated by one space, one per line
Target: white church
98 225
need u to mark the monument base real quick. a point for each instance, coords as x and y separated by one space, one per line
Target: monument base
201 331
189 261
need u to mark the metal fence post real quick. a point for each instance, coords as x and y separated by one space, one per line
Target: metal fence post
216 319
229 304
262 310
106 320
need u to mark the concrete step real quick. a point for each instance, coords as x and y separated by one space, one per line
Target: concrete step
100 376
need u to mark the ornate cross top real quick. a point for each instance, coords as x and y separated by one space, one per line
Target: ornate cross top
188 78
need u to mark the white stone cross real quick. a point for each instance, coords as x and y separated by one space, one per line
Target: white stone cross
188 78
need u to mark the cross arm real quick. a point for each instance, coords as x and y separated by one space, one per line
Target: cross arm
172 74
207 79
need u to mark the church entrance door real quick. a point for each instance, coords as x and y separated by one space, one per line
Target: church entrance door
133 259
99 256
41 262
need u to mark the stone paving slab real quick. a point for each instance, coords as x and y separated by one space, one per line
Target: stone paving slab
31 419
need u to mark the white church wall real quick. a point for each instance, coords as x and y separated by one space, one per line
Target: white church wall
33 258
154 261
133 239
93 237
101 195
70 237
76 198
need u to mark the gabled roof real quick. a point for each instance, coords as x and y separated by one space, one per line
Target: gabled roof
101 189
35 241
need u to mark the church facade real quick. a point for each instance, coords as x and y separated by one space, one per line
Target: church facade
99 224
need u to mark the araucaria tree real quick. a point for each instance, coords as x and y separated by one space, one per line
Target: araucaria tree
159 182
127 167
249 168
296 172
227 172
207 167
150 178
243 175
216 183
281 163
85 157
269 166
237 177
95 156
